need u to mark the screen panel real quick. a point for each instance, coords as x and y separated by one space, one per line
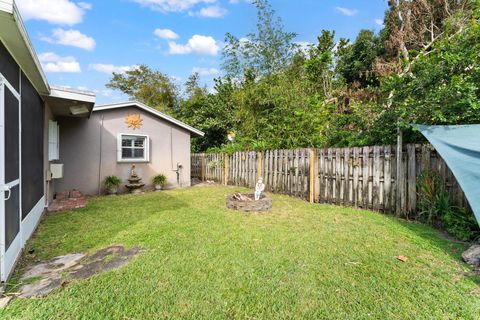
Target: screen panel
12 139
12 216
32 147
9 68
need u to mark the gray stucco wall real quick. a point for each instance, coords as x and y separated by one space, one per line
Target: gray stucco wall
88 150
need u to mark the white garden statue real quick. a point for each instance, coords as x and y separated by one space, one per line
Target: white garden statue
259 188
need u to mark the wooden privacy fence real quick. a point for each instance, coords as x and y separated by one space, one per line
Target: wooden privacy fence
364 177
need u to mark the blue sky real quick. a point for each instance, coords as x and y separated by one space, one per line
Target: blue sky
81 43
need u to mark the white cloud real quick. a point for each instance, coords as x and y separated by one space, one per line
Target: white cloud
110 68
346 11
198 44
52 62
85 5
304 46
54 11
72 38
205 71
165 34
172 5
212 12
379 22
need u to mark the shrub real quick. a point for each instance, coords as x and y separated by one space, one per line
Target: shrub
433 200
112 182
160 179
461 224
435 206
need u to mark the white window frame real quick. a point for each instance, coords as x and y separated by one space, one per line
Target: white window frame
146 154
53 141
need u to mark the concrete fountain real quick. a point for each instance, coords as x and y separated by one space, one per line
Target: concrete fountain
135 183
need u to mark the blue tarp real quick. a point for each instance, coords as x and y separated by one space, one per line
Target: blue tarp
459 146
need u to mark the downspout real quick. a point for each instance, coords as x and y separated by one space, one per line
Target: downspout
100 157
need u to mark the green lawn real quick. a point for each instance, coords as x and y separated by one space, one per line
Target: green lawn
202 261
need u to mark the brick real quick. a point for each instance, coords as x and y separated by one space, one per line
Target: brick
61 195
75 194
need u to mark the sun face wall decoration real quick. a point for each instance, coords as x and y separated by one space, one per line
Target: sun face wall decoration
134 121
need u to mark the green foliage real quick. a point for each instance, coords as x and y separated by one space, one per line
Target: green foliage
264 52
443 87
355 61
461 224
111 182
148 86
433 200
319 64
435 206
212 113
160 179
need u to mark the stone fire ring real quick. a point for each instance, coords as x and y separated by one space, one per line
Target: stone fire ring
262 205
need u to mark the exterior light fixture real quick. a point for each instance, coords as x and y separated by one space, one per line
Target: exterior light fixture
80 109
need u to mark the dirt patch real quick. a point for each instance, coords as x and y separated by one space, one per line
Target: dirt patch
103 260
247 202
42 278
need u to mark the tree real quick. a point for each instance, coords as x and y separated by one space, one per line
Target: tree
148 86
355 61
443 87
211 113
412 28
320 63
264 52
193 88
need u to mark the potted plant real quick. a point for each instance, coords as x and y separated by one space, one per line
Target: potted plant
112 183
159 181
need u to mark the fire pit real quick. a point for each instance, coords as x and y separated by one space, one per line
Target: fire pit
246 202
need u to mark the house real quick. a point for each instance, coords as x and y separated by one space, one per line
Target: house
117 136
53 139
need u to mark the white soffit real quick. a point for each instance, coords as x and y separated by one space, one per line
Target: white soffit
6 5
71 94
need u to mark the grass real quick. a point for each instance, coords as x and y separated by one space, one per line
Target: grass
202 261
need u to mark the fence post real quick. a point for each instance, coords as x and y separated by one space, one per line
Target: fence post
259 164
226 169
399 178
203 166
313 174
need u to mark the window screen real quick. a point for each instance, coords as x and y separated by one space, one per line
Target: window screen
133 148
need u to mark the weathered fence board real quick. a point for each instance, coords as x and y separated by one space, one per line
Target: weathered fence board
363 177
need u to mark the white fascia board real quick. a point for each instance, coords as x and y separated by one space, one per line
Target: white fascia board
149 110
15 38
70 94
28 43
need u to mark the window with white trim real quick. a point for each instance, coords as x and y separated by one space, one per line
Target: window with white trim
133 148
53 141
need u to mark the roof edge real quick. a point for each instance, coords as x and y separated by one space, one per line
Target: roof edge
150 110
26 39
63 92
